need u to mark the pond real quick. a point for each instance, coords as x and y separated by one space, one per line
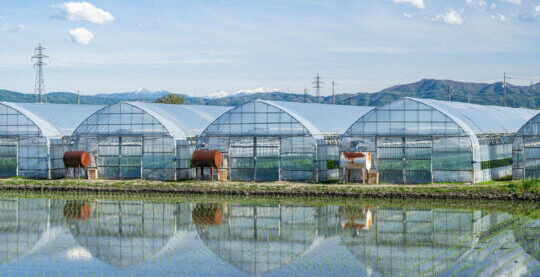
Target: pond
101 235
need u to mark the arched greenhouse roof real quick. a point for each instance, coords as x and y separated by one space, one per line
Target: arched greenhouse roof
321 119
54 120
531 127
178 121
317 120
482 119
182 121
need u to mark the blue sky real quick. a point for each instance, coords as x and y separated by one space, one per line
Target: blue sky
202 47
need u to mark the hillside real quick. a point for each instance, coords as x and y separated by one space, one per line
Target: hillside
480 93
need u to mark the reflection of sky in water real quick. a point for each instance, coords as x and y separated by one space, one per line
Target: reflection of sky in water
156 239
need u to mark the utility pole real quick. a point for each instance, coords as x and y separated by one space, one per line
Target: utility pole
317 86
305 95
504 88
333 93
39 62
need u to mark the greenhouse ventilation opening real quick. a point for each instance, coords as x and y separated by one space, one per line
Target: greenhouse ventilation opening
131 140
425 140
32 137
526 150
273 140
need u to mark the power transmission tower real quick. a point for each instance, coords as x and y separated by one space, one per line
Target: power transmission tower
504 88
317 86
78 98
333 93
39 62
305 95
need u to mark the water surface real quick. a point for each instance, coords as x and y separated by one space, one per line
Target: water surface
106 237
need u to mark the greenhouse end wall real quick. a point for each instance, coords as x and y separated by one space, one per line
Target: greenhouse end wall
526 150
261 142
412 143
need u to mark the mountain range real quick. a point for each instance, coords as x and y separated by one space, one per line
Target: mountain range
479 93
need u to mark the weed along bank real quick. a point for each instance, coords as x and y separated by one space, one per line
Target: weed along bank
273 140
134 140
423 140
33 137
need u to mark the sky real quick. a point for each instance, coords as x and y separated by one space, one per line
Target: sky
208 47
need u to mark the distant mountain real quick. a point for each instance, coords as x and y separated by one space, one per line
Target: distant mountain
480 93
140 94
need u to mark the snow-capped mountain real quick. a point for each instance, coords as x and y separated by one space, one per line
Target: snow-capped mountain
223 94
141 93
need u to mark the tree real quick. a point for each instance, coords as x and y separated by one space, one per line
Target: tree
171 99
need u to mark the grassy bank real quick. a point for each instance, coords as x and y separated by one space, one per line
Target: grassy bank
526 190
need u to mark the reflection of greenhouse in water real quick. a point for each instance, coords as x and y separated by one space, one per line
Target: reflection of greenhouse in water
259 239
125 234
133 237
417 242
24 226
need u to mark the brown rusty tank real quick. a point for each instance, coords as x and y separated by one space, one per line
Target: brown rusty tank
77 210
76 159
206 158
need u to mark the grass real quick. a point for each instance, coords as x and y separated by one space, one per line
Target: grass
502 190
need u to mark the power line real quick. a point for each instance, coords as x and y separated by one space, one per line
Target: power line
39 62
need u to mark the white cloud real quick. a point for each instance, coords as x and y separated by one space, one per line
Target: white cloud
517 2
407 15
537 10
83 11
417 3
499 17
81 35
14 29
451 17
479 3
78 253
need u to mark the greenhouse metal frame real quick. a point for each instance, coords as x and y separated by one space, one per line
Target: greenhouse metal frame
134 140
274 140
526 150
425 140
33 137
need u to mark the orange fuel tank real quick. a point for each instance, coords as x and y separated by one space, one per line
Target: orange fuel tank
207 158
76 159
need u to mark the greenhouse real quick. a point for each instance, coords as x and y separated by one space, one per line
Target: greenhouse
273 140
32 137
131 140
526 150
424 140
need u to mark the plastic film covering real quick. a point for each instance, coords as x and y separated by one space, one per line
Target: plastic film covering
144 140
273 140
31 137
424 140
526 150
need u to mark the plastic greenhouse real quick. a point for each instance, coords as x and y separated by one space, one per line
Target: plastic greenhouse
32 137
424 140
144 140
526 150
272 140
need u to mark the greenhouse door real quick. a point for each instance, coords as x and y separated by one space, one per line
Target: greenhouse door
8 157
254 159
417 160
119 157
267 159
404 160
